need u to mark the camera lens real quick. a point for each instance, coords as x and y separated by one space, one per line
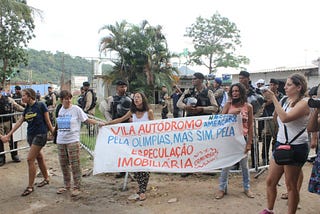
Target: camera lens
314 103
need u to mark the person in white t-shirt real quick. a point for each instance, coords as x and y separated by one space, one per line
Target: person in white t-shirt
68 140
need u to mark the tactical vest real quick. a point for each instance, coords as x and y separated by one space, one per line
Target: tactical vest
49 99
114 107
17 99
202 100
5 108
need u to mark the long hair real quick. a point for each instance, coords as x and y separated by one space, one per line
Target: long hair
145 105
299 80
242 90
30 93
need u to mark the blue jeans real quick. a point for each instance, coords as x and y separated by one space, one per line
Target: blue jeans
223 180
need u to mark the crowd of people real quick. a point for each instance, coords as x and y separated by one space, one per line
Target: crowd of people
291 111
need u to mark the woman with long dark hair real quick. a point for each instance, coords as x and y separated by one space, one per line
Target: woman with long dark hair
140 111
237 104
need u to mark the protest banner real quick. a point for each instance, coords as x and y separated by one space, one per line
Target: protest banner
179 145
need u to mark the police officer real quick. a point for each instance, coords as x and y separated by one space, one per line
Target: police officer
7 106
256 100
118 105
88 99
51 98
198 100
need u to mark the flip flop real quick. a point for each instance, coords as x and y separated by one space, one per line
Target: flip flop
27 191
62 190
43 183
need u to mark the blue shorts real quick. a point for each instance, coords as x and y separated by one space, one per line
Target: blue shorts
39 140
301 153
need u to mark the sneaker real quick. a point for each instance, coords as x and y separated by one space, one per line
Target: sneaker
134 197
249 194
220 194
266 211
16 159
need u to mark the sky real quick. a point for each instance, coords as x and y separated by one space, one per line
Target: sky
274 33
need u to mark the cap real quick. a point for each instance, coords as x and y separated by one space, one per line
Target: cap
244 73
120 82
17 87
86 83
198 75
274 81
260 81
313 91
218 80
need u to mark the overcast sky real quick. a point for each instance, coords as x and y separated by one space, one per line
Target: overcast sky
274 33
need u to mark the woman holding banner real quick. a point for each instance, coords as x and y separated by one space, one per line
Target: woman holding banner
68 141
239 105
139 112
37 116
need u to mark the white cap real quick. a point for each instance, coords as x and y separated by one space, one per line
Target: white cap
261 81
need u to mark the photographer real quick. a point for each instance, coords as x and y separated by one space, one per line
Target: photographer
292 118
175 96
269 127
164 102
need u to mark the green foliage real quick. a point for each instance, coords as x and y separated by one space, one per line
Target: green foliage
46 66
215 43
143 58
16 30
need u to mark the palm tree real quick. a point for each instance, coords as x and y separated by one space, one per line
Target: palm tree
143 58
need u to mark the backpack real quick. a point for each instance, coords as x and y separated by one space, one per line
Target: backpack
57 95
49 99
94 100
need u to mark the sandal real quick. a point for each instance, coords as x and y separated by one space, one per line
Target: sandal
284 196
62 190
142 197
27 191
43 183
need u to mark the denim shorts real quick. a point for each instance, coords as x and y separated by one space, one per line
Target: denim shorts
39 140
301 153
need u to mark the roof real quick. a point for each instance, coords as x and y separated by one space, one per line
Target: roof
280 69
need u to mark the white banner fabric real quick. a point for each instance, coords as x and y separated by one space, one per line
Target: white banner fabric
177 145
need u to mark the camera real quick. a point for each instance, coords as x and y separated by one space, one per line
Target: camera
314 103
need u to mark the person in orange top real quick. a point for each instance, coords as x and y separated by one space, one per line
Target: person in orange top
239 105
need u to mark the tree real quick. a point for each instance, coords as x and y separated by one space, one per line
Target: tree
215 43
16 30
141 55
